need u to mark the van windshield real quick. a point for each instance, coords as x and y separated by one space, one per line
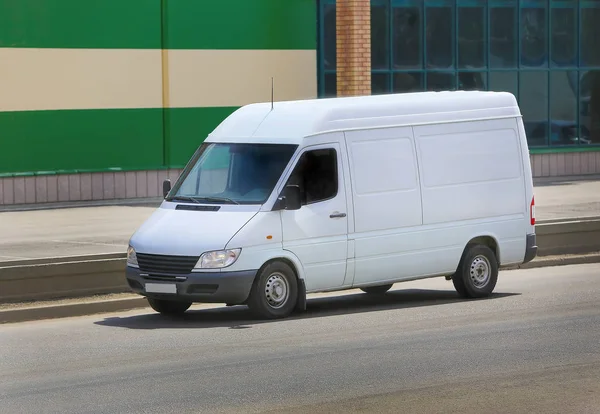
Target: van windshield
226 173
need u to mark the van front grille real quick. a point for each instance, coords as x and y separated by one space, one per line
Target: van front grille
162 264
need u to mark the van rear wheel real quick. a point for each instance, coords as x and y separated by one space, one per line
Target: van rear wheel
275 292
376 290
169 307
477 272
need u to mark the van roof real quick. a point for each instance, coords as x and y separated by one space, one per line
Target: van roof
292 121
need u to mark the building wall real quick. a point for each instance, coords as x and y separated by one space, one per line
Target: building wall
114 85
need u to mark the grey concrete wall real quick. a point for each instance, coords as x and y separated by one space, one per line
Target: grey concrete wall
83 187
565 164
144 184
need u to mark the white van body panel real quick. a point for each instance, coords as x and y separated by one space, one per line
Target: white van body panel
261 240
420 176
295 122
311 234
189 233
474 171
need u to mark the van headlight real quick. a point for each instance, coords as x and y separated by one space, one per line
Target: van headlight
131 257
218 259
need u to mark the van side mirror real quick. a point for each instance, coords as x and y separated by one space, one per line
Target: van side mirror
166 187
291 198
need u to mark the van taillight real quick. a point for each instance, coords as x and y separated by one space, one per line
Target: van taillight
532 211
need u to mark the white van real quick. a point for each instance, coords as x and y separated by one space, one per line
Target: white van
330 194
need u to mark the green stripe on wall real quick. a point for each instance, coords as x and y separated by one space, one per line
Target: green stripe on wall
241 24
188 127
129 139
81 139
133 24
136 24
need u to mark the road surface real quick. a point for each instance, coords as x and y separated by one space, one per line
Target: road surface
532 348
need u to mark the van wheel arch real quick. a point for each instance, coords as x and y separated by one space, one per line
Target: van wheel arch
488 241
301 302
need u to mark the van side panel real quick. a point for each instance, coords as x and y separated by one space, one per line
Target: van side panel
474 172
384 179
387 200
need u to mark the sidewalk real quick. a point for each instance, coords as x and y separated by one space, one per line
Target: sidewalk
106 229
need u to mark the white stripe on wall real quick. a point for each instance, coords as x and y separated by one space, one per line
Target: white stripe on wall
51 79
217 78
46 79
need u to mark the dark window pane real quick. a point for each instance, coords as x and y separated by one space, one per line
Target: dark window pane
471 37
590 36
503 38
441 81
329 33
439 38
589 117
317 176
407 38
564 36
472 81
330 90
504 82
533 100
380 83
563 108
379 38
534 34
408 82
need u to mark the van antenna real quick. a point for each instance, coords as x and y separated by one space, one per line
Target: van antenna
272 92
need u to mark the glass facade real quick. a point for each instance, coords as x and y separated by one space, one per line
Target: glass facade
545 52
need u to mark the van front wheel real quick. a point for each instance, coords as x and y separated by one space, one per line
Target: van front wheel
275 292
477 273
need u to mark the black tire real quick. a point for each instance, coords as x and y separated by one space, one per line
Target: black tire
275 292
477 272
169 307
376 290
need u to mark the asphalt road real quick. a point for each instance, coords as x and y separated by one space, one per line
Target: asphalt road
532 348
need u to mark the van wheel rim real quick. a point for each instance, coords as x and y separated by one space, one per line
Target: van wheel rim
480 271
277 290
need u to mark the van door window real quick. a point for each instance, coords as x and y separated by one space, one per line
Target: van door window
317 176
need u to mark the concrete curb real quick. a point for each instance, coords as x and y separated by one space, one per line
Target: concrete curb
91 307
153 202
550 261
33 312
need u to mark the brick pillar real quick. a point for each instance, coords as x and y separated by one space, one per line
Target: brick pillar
353 38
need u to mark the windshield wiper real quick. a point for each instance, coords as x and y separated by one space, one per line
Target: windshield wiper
218 200
184 198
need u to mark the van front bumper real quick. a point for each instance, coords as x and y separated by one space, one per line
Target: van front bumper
232 288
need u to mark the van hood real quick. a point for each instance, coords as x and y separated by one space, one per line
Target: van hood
188 233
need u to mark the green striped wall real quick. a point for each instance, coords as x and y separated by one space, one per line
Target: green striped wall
130 139
129 24
241 24
136 24
133 139
187 128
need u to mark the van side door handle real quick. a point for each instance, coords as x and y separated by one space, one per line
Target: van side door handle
337 215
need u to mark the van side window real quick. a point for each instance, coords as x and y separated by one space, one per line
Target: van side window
317 176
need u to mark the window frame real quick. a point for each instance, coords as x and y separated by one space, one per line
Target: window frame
336 169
